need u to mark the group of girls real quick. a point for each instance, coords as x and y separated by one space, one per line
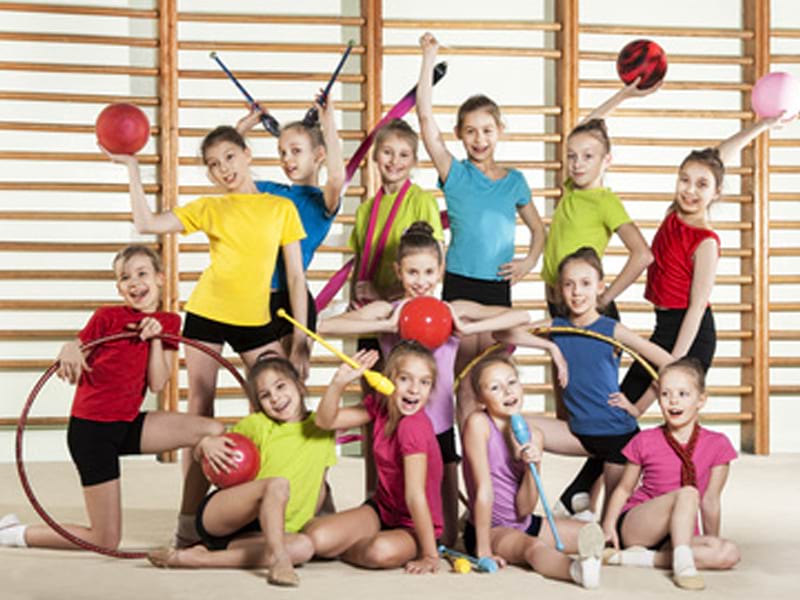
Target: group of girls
262 238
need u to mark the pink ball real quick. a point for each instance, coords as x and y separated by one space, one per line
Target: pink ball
776 93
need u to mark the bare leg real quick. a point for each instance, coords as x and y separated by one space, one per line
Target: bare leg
518 548
557 437
105 521
272 518
612 473
332 535
386 550
167 430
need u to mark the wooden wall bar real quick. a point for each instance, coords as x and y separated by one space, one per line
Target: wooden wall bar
185 97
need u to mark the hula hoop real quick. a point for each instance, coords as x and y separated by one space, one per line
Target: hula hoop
562 329
23 419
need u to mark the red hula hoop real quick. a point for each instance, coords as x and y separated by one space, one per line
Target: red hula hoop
23 419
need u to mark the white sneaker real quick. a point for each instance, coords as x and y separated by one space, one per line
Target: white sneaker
9 520
581 502
591 542
586 516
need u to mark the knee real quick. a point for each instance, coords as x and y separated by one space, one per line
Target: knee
108 539
729 555
383 554
276 489
689 493
321 542
302 549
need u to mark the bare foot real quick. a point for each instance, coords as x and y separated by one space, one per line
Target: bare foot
172 558
282 573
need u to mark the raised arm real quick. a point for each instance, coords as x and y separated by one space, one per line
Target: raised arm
607 107
431 136
639 258
730 148
710 505
334 160
705 259
330 415
375 317
144 219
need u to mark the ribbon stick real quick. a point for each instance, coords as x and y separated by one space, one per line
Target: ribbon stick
312 116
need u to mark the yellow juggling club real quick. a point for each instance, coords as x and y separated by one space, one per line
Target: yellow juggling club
379 382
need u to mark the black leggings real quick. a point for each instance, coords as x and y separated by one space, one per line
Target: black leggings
637 380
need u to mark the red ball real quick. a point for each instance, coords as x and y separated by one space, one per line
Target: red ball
247 459
642 58
122 128
426 320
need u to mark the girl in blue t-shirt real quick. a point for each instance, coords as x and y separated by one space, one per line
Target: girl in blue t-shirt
483 199
597 425
303 150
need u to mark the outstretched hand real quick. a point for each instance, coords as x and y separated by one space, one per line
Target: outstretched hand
429 45
633 91
122 159
346 374
251 119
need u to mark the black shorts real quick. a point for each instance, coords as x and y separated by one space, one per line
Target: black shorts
374 506
279 328
96 446
214 542
471 540
607 448
447 444
484 291
609 310
668 324
657 546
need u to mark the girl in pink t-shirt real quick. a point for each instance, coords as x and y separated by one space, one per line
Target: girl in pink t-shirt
399 524
419 267
683 468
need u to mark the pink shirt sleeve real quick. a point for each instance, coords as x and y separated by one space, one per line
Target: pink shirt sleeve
633 449
413 436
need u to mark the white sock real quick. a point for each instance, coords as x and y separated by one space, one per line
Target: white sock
13 535
586 572
683 561
637 556
580 502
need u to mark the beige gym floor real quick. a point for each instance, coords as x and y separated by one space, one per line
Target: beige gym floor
760 512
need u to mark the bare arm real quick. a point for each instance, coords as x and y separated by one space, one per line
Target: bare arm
620 495
298 299
375 317
415 470
730 148
607 107
329 414
515 270
71 362
144 219
334 160
472 317
159 363
639 257
654 354
705 270
710 505
531 453
476 440
431 136
522 336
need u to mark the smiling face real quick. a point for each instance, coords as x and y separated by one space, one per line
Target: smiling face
695 190
479 133
300 161
419 273
228 166
395 158
587 160
680 398
279 397
580 285
500 390
138 282
413 380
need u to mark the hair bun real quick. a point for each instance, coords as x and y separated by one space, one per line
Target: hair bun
419 228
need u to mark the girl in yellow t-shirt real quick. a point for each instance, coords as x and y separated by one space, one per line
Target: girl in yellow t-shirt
230 303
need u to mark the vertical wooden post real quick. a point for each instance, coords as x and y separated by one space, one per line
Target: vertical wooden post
567 77
168 169
372 39
755 434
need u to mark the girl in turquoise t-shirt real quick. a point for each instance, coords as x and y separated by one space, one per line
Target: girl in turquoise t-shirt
288 490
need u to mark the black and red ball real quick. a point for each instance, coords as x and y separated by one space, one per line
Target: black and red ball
642 58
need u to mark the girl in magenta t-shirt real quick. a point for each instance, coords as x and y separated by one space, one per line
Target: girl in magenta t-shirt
680 469
502 491
399 524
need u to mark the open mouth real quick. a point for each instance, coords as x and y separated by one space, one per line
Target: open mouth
510 403
281 407
674 412
409 403
138 295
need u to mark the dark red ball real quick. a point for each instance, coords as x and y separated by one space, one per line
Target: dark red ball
426 320
247 459
642 58
122 128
